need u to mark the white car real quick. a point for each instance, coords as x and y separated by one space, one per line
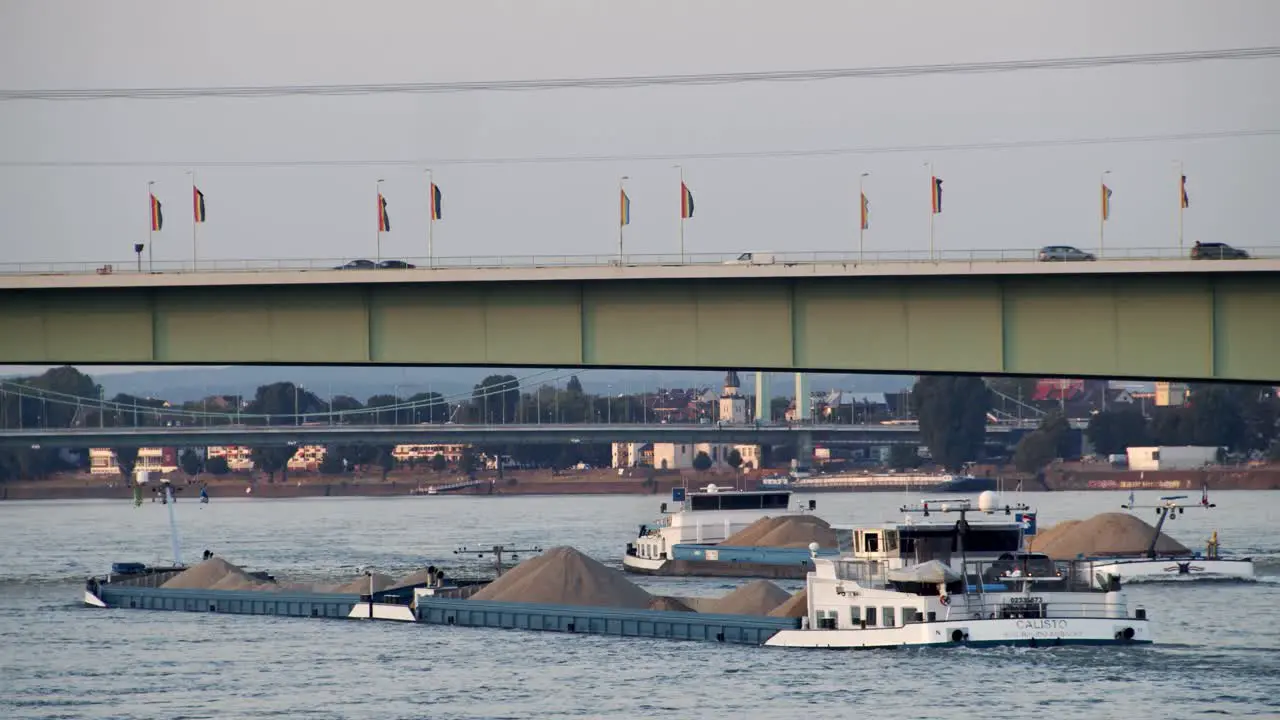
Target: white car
752 258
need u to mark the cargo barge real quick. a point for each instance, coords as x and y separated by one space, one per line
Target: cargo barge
445 606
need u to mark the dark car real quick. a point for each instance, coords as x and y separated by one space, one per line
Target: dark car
1063 253
396 265
1217 251
358 265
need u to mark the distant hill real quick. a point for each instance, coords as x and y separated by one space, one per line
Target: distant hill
179 384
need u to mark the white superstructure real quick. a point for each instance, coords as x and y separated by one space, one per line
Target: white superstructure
702 517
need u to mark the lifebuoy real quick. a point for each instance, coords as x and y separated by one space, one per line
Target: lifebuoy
944 599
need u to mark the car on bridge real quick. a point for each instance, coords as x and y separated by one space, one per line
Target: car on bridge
358 265
1063 253
753 258
371 265
1217 251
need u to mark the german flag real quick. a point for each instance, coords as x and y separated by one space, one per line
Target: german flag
436 197
624 209
384 221
157 217
935 193
866 212
1106 202
686 202
197 204
1186 201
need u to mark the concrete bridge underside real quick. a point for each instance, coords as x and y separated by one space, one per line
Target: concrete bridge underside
1188 326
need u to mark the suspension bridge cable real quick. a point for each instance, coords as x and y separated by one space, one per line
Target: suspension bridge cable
635 81
781 153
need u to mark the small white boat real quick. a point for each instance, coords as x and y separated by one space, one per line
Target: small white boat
1153 566
702 519
898 590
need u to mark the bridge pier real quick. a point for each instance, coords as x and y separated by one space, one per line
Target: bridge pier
804 451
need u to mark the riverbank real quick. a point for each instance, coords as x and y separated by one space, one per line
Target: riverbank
1084 477
598 482
1067 477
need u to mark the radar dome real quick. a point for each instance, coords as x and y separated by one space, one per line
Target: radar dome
712 488
987 501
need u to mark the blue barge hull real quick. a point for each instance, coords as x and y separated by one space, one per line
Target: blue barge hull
658 624
234 602
664 624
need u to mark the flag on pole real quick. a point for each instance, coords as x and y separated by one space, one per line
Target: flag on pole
436 197
1106 202
866 212
157 217
384 221
936 193
1186 201
197 204
686 202
624 209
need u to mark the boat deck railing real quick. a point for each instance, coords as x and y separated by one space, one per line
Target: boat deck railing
1050 609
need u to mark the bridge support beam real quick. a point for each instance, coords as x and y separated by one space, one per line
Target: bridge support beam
1188 325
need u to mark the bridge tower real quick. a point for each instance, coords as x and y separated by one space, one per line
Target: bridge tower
804 404
764 405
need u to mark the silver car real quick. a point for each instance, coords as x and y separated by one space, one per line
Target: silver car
1063 253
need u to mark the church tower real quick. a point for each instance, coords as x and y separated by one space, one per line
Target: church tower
733 404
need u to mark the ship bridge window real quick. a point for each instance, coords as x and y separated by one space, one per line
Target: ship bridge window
871 542
754 501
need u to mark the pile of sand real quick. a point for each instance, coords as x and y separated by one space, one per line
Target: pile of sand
360 584
1105 534
796 606
213 574
663 602
787 531
757 597
564 576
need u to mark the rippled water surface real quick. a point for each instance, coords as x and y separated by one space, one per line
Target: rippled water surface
1218 650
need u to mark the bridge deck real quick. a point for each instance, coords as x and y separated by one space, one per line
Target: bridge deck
54 277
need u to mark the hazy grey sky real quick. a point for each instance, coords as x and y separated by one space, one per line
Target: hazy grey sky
993 198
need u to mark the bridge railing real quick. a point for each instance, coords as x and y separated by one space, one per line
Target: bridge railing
517 261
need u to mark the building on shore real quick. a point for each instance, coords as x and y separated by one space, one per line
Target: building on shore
680 456
102 461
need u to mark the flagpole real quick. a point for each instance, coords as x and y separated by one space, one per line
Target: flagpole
1182 188
933 193
1102 214
431 219
151 226
194 223
862 214
681 169
381 214
621 217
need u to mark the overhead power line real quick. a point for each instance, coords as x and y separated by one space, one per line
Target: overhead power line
633 81
642 157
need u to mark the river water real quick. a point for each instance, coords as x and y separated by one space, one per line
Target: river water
1217 651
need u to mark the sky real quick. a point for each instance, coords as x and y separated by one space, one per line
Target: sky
994 198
